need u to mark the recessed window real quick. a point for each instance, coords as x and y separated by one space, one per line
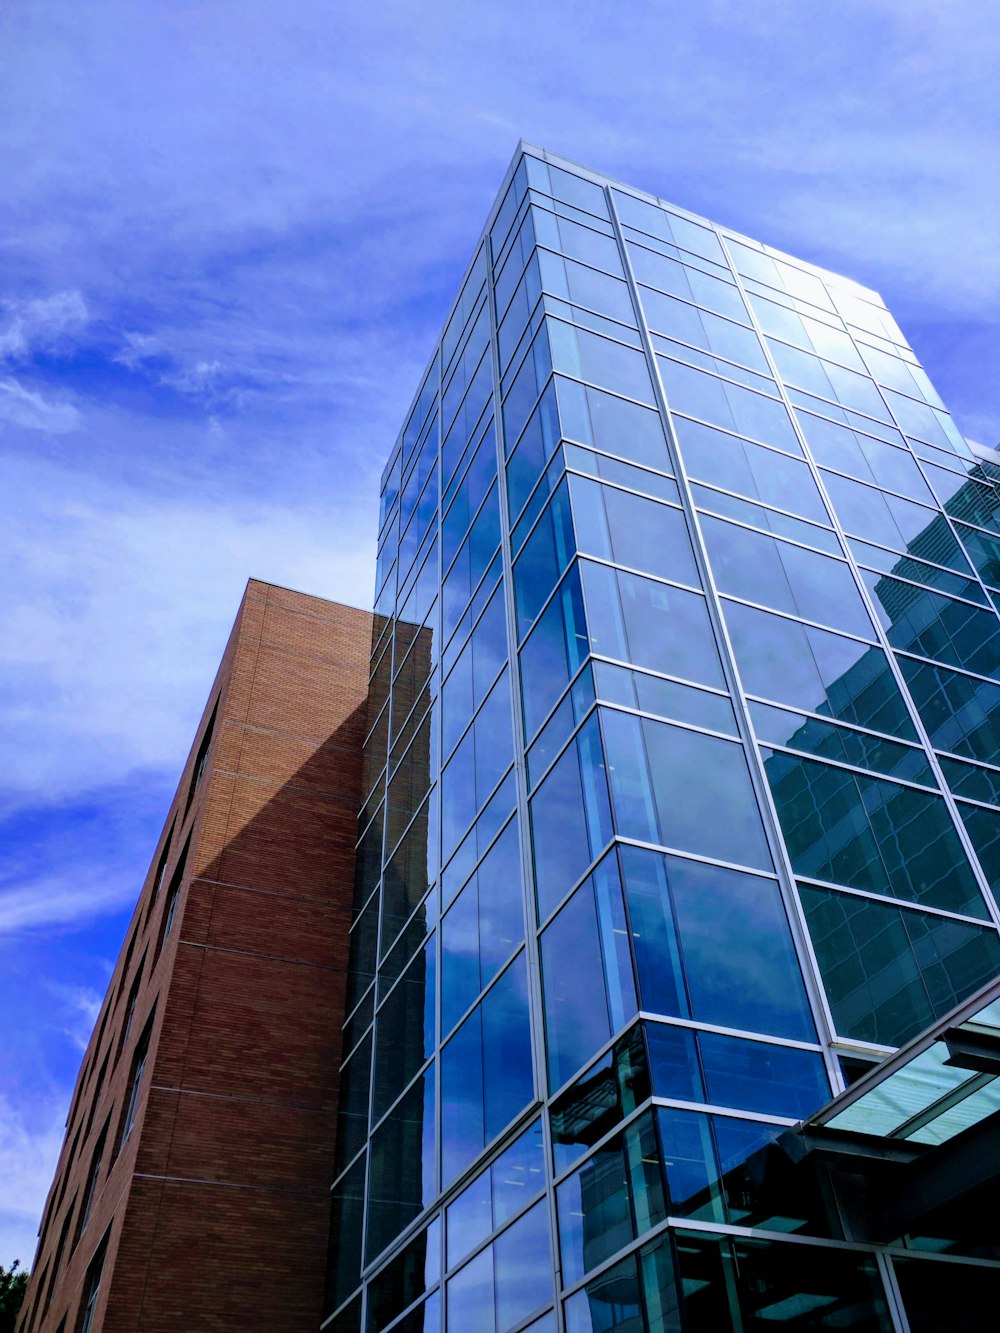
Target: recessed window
91 1187
92 1287
136 1080
201 759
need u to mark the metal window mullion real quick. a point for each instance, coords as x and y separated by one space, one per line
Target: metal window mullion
808 964
882 637
532 947
894 1298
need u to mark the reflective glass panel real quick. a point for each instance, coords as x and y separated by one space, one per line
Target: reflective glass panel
889 971
668 785
714 945
587 977
868 833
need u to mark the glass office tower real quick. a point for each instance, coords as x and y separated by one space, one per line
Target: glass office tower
684 783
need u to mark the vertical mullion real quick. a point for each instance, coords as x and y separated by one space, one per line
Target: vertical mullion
532 947
808 964
881 635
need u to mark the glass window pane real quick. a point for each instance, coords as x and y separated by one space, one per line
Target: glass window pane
482 929
789 578
730 406
984 829
404 1279
833 1288
478 763
474 672
725 933
678 319
402 1176
472 1296
756 1076
668 226
738 954
923 622
347 1222
533 451
664 698
486 1074
481 470
692 1171
601 1097
869 833
503 1189
650 625
404 1031
600 361
669 784
523 1267
960 1297
614 425
690 283
633 531
899 524
543 558
580 283
738 465
961 713
674 1065
570 818
837 446
888 971
611 1302
828 740
817 670
615 1195
554 651
471 563
588 988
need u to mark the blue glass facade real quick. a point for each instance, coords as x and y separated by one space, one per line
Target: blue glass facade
683 782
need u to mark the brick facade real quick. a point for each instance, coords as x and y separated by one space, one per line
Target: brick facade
213 1211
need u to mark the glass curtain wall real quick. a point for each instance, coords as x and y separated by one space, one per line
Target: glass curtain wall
683 782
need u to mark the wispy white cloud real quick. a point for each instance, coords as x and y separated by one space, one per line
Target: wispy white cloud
117 609
81 1005
44 901
40 322
31 1135
31 411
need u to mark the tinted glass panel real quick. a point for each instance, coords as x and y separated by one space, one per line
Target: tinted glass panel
570 818
633 531
789 578
482 929
554 651
612 424
714 945
586 973
486 1076
817 670
871 834
650 625
889 972
668 785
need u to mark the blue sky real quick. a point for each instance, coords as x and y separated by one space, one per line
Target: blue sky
230 233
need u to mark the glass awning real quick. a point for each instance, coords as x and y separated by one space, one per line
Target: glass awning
943 1082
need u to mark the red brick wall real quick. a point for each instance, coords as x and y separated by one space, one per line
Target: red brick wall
217 1205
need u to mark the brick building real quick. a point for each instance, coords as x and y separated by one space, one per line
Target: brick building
192 1188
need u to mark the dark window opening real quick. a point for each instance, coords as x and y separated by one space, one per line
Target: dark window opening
90 1190
136 1081
201 759
92 1287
